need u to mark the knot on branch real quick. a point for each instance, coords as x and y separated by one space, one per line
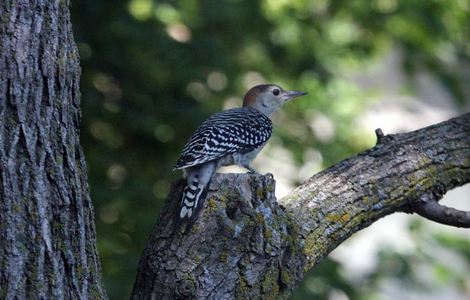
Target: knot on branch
382 138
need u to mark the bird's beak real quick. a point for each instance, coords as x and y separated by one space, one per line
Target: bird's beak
288 95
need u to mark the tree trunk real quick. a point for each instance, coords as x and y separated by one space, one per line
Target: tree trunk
47 233
247 245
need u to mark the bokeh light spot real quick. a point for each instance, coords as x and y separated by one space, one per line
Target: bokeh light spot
179 32
232 102
109 214
198 91
323 127
85 51
106 133
107 85
217 81
140 9
164 133
385 6
253 78
116 173
167 14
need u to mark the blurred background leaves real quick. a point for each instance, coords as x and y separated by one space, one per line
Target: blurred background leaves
153 70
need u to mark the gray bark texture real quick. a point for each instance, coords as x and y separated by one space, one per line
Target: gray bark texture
47 233
247 245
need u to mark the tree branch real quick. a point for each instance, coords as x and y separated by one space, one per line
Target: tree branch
432 210
246 245
428 206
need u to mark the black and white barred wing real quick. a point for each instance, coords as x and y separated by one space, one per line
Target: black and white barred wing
230 131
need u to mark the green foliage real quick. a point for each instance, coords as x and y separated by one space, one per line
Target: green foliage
153 70
322 281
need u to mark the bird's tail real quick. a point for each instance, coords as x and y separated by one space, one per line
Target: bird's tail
192 200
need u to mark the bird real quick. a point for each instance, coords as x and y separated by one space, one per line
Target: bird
233 136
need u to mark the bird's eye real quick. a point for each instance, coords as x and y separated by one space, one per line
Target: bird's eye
276 92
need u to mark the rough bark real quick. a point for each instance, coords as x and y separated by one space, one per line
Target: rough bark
247 245
48 243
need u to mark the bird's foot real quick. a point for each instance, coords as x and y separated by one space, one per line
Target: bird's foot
251 170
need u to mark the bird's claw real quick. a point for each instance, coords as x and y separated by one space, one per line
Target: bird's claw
251 170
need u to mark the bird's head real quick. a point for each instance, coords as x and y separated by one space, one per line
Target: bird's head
268 98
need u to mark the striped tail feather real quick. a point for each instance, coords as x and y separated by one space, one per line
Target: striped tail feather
192 201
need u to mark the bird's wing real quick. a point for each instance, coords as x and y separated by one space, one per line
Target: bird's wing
230 131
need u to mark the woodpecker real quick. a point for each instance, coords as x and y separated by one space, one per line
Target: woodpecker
233 136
